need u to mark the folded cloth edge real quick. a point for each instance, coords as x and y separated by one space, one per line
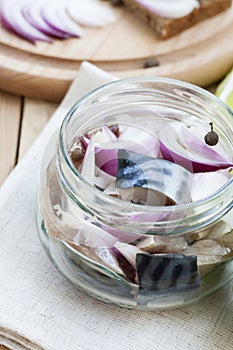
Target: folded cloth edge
15 341
88 78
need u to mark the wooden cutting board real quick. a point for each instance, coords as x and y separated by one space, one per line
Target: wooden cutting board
201 55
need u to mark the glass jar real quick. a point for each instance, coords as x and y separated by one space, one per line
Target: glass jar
80 226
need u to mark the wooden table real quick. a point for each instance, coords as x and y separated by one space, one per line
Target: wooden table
21 120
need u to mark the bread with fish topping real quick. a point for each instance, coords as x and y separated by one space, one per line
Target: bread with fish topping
166 27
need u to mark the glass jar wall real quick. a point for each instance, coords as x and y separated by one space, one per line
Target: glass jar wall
135 253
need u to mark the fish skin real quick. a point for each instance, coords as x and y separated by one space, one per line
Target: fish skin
140 171
162 272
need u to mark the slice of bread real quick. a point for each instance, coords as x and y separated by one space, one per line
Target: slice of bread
168 27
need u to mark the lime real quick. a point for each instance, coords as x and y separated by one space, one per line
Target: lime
225 89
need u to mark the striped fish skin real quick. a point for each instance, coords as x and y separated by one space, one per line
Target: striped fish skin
166 273
170 181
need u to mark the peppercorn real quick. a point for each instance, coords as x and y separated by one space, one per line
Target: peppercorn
76 155
116 2
115 129
211 138
151 62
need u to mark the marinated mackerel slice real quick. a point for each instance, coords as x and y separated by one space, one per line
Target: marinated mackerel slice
168 18
211 246
165 273
103 256
214 247
159 244
209 254
152 181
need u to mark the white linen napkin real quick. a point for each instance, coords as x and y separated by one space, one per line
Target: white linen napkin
40 309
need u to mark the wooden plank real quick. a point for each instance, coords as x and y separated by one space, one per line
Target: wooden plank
36 114
10 109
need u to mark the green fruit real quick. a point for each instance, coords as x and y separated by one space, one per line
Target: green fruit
225 90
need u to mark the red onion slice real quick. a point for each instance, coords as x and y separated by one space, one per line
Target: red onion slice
96 244
107 134
103 179
102 136
13 19
106 160
175 151
170 8
143 139
40 19
88 164
205 184
131 139
121 236
57 18
90 13
200 133
192 141
87 233
32 13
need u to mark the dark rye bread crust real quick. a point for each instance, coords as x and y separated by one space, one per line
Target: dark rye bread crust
168 27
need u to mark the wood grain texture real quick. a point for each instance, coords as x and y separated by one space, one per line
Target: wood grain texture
10 110
21 121
36 114
202 55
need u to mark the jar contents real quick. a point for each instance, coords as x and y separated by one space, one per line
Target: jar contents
171 167
166 166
